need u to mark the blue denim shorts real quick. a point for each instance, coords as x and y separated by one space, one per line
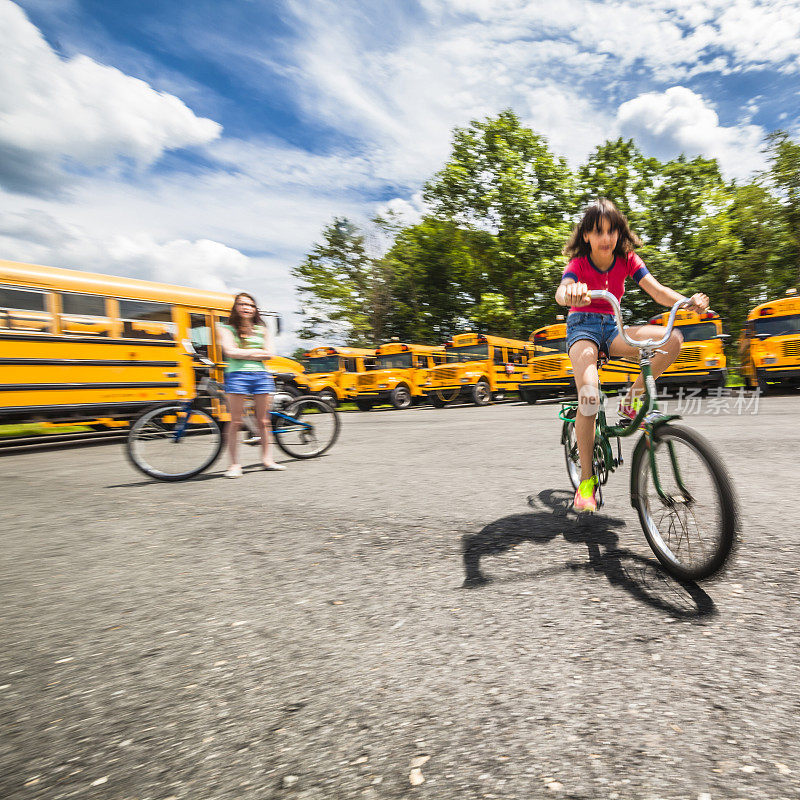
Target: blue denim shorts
249 382
599 328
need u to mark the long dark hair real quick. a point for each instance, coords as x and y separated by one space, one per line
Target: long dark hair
592 218
235 320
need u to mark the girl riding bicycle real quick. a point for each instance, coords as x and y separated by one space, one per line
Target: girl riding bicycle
601 249
245 344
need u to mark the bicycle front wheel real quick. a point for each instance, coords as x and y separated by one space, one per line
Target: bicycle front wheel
171 443
306 428
685 502
571 455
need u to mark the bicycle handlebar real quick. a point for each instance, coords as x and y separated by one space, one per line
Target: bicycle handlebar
602 294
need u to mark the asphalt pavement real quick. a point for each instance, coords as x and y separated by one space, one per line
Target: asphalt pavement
307 634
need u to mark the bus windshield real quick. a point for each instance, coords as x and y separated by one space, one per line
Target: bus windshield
698 332
322 364
549 346
469 352
394 360
778 326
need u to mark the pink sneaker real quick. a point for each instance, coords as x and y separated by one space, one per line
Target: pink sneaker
585 496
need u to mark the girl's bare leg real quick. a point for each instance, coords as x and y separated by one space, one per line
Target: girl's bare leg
263 403
236 407
583 355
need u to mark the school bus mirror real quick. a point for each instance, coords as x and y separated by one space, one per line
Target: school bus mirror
723 336
188 347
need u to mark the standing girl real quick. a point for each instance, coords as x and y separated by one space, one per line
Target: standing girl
246 342
601 249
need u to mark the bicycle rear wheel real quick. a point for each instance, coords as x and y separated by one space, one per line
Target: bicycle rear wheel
165 445
312 428
691 523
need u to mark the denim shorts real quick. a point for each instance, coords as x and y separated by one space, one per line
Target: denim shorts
249 382
599 328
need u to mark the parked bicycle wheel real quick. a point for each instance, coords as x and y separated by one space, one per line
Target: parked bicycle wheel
172 444
312 429
691 523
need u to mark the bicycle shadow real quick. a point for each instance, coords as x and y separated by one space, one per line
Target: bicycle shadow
643 578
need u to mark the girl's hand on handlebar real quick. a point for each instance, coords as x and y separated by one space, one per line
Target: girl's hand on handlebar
577 294
698 302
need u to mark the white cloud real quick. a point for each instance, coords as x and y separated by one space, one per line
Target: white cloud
53 109
676 121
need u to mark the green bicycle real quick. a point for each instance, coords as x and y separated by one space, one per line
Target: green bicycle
679 485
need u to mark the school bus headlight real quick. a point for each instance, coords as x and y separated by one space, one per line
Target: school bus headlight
568 370
770 360
712 362
382 385
428 382
464 380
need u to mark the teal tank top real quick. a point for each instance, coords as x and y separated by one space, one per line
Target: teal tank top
255 341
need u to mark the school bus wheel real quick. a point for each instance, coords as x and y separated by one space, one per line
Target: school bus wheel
329 396
761 378
364 405
530 396
481 393
401 396
437 401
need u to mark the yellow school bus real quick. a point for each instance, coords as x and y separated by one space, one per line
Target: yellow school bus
770 343
332 372
479 367
397 376
82 346
701 361
551 370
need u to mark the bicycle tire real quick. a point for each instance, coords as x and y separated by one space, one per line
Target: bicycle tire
715 503
303 442
151 447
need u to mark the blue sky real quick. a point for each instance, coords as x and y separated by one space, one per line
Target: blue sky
207 143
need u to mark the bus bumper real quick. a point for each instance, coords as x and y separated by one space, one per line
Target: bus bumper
705 377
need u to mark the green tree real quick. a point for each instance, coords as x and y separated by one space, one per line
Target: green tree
502 179
619 171
784 178
342 289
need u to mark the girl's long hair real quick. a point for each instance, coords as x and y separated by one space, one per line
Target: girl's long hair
235 320
592 217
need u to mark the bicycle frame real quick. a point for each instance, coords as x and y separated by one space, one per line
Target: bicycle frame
212 389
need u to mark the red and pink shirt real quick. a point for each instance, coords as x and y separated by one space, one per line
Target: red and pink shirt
583 270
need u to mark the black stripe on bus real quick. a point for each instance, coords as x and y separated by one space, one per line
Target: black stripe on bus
25 387
40 337
82 362
86 408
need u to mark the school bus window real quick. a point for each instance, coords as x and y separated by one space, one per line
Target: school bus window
498 355
470 352
394 361
698 332
200 333
322 364
777 326
142 320
421 361
84 314
24 310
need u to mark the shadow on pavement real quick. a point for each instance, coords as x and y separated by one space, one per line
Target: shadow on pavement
643 578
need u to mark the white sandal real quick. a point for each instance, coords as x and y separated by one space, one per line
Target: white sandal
274 467
234 471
